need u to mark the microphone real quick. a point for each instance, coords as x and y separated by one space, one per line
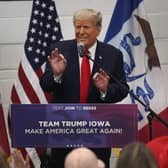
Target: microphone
82 53
81 49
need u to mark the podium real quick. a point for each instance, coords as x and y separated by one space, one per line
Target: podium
73 125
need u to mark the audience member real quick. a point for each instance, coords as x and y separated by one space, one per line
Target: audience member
83 158
19 161
136 155
159 147
16 160
3 159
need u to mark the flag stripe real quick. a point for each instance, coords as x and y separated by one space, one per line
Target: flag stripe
39 72
21 93
34 157
48 96
27 86
33 77
14 96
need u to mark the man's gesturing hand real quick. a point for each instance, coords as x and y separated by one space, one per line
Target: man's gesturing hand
101 80
58 62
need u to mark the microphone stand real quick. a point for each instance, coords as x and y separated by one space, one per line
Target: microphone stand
44 158
151 114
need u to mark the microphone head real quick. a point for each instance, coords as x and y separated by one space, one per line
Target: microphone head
81 49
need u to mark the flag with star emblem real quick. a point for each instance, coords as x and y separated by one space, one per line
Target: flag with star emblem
130 31
44 29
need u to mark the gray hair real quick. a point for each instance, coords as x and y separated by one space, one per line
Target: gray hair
89 13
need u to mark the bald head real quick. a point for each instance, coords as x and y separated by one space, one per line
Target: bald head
82 158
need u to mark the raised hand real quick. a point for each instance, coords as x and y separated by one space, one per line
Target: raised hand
58 62
19 161
101 80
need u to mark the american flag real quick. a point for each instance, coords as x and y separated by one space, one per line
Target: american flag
44 30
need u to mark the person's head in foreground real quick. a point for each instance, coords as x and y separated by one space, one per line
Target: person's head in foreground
136 155
82 158
159 147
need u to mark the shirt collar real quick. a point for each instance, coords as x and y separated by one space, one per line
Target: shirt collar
92 50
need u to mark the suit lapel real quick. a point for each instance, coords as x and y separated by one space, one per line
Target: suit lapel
98 58
75 66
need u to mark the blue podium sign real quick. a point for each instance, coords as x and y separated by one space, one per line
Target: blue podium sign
73 125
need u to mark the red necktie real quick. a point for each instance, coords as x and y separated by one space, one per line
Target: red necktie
85 79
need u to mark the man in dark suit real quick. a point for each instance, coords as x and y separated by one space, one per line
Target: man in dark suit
63 73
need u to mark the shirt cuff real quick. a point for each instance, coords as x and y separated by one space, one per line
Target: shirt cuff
57 79
103 95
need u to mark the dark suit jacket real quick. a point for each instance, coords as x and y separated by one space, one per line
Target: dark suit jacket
108 57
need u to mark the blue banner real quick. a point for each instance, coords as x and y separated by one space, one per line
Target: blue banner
73 125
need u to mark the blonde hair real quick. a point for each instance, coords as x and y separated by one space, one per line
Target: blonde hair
89 13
